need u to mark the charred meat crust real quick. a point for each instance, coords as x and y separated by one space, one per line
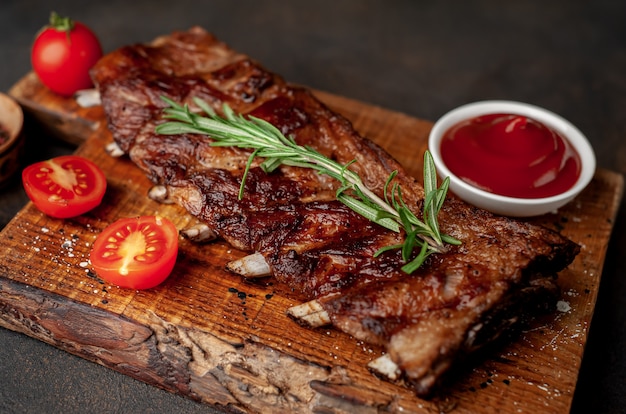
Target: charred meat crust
426 320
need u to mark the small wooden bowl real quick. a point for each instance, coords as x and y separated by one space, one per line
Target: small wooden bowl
11 137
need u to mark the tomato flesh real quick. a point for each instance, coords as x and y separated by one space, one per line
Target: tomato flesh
136 253
65 186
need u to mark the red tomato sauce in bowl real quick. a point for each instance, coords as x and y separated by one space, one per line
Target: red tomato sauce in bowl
511 155
511 158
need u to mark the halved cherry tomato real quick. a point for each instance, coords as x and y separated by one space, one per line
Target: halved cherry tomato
65 186
63 53
136 253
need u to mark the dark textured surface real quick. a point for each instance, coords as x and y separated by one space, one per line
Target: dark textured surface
418 57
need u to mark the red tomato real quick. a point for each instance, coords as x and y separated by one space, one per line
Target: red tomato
63 53
65 186
136 253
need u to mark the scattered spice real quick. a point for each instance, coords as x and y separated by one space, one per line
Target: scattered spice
243 296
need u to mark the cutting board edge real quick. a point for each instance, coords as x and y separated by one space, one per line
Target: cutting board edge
151 352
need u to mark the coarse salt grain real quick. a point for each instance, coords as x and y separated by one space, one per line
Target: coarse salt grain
563 306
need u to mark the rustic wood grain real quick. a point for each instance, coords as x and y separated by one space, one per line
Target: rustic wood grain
60 117
216 338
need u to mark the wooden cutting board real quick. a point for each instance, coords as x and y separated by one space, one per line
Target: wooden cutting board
213 337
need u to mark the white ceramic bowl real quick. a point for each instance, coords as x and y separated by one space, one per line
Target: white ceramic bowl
511 206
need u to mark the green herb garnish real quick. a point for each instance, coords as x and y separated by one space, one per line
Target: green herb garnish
269 143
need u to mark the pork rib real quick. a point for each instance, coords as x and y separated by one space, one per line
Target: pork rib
455 302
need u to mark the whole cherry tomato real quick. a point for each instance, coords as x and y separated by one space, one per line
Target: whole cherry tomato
63 53
136 253
65 186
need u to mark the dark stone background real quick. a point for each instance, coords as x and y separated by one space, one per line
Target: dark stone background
418 57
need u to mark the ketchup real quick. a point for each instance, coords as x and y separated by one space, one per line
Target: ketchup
511 155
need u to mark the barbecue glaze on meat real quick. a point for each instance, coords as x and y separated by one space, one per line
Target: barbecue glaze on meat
426 321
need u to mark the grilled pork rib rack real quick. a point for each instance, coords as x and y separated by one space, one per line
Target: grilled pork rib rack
299 234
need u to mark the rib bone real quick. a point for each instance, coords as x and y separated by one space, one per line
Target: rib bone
199 233
160 194
385 367
310 313
113 150
251 266
87 98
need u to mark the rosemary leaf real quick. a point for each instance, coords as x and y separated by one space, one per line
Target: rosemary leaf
418 261
387 248
368 212
267 142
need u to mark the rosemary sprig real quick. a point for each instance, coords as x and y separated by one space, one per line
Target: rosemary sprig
276 149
